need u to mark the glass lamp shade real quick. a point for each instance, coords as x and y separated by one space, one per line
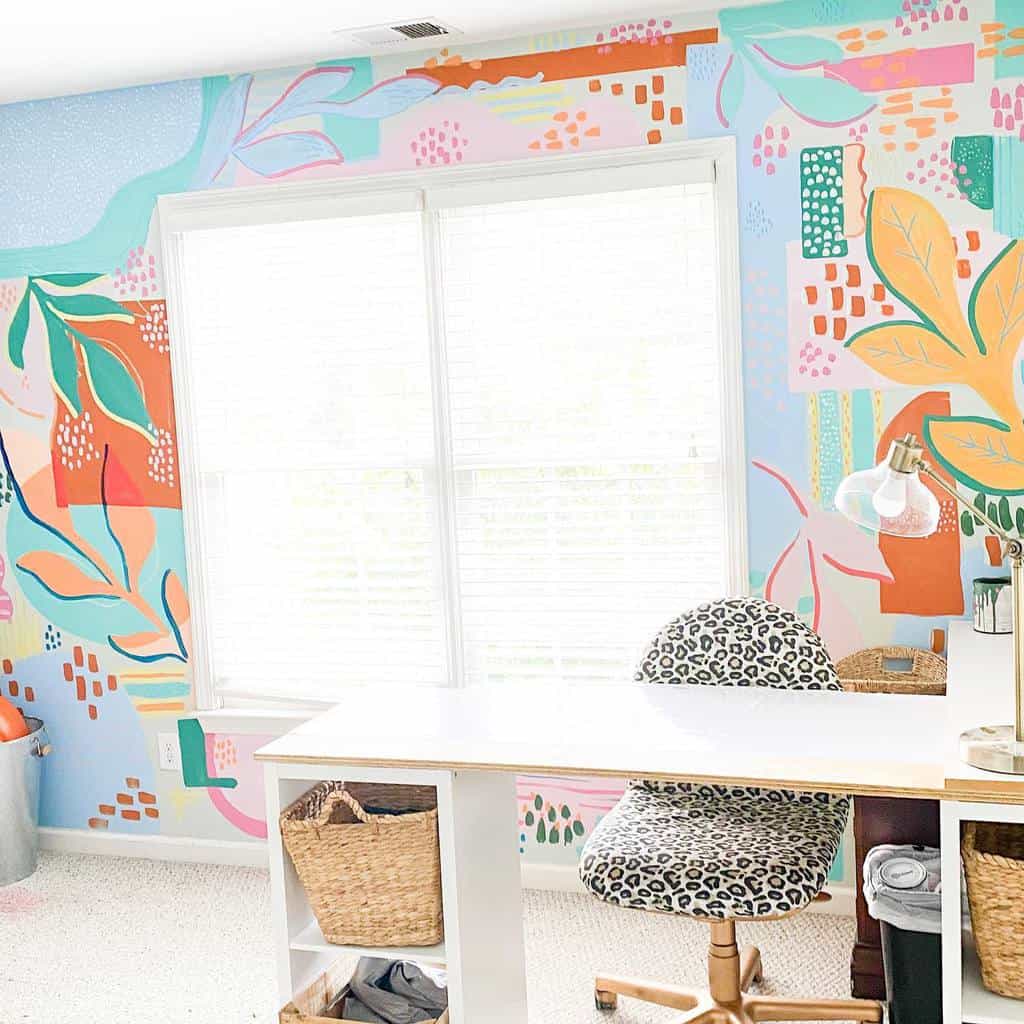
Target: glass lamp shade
885 501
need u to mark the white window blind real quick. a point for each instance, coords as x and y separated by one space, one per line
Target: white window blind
480 442
313 426
583 358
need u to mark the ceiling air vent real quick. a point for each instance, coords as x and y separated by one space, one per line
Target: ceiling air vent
386 35
421 29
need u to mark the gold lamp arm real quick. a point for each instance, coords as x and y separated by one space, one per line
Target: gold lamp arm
1014 546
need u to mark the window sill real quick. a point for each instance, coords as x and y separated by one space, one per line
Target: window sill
254 721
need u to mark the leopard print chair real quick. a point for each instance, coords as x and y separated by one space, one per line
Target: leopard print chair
724 853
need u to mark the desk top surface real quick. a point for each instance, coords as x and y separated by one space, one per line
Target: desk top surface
870 744
873 744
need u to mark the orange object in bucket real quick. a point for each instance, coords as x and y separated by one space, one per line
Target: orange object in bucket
12 722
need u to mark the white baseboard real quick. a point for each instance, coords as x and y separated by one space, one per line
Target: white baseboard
546 877
174 848
564 878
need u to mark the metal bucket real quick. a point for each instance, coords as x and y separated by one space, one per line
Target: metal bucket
20 766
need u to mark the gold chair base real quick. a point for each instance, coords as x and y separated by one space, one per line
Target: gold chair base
731 972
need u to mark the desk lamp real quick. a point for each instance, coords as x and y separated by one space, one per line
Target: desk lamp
892 499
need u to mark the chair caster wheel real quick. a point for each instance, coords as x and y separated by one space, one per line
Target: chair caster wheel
606 1000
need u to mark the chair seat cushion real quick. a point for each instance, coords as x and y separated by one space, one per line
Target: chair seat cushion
714 852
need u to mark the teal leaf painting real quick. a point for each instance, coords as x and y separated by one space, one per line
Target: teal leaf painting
68 280
18 330
89 307
799 51
730 91
63 361
114 387
827 102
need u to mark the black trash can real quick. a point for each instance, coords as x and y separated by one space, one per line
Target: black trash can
903 890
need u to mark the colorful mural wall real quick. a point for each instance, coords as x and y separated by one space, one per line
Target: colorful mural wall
881 202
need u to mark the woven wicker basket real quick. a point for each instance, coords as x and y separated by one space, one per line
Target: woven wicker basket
993 856
865 671
369 860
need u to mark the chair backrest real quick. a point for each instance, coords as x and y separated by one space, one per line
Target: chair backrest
741 641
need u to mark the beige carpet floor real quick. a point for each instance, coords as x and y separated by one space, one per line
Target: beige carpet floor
97 940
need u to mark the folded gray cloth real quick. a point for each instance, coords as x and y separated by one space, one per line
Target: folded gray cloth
395 992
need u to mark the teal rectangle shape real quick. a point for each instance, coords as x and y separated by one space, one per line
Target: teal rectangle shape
149 691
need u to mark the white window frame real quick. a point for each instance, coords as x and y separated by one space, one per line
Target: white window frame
697 160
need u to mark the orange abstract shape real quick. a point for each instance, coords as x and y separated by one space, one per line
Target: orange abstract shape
654 136
140 472
576 62
658 84
657 111
925 570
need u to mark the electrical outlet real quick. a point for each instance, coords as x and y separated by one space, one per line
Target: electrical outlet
170 751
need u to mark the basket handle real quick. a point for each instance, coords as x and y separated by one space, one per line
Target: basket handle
342 796
898 654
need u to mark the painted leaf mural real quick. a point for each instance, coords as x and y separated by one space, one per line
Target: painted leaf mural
71 320
62 577
911 248
997 303
824 539
908 353
979 452
67 561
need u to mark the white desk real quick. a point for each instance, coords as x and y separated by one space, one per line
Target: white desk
979 691
471 744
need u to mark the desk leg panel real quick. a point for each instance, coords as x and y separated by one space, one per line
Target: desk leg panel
482 899
952 953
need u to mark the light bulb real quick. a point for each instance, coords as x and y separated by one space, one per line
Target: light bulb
890 499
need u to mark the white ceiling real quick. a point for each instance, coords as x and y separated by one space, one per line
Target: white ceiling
60 47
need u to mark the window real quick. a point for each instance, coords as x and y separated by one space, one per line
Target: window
471 428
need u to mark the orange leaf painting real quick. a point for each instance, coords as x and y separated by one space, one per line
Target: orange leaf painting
985 454
135 531
908 353
61 576
996 309
911 249
176 598
134 642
